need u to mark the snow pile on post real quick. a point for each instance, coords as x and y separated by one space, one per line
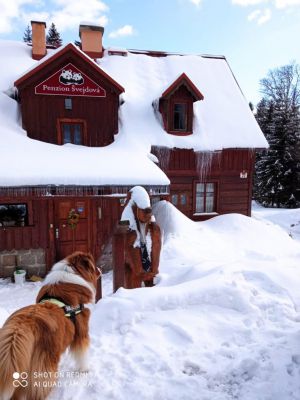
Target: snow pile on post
139 198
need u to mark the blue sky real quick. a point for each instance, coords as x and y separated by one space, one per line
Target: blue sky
254 35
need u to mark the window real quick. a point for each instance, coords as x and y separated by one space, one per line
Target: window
176 106
68 104
180 200
71 130
205 197
72 133
180 117
183 200
13 215
174 199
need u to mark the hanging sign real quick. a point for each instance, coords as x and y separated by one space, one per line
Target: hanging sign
70 81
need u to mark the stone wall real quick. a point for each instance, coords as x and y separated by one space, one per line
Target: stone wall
33 261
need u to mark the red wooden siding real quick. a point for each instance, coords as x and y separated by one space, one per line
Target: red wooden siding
99 113
223 168
96 225
33 236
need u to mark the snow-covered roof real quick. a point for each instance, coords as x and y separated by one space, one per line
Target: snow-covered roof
51 56
222 120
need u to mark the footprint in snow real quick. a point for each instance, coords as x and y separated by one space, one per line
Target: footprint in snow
294 367
192 369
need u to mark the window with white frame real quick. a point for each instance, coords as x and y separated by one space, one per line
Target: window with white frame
205 197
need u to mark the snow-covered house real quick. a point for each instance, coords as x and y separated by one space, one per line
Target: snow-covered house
98 121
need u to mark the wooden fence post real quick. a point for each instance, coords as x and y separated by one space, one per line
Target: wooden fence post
99 290
118 253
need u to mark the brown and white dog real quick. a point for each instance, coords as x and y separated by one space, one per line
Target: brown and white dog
33 338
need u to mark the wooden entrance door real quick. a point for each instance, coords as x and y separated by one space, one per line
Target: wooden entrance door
70 235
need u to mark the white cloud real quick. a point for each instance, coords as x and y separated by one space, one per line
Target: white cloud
70 13
276 3
34 16
10 11
260 16
264 17
66 14
254 15
196 2
126 30
246 3
286 3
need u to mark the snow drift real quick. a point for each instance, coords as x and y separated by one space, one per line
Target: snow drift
222 322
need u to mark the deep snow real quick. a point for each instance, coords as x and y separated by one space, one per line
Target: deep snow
222 323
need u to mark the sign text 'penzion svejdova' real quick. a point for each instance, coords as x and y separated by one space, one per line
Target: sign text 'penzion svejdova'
70 81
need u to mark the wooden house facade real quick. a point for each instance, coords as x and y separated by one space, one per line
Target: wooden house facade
66 98
206 184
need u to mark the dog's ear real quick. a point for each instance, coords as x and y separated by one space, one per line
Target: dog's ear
82 260
87 261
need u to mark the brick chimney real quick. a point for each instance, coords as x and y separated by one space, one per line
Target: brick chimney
38 39
91 39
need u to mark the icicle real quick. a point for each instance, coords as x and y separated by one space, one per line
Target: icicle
203 164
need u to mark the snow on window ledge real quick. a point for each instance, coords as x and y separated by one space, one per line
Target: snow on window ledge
208 213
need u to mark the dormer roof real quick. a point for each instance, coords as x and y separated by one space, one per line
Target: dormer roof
183 79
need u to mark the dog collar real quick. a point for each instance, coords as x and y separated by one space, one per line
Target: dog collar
70 311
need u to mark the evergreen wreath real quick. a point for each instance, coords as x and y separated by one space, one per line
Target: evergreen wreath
73 219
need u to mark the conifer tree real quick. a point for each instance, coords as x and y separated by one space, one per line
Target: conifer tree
27 37
53 37
277 169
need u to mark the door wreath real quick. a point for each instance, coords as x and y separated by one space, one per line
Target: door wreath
73 219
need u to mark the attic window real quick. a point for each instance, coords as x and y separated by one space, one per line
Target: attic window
176 106
180 117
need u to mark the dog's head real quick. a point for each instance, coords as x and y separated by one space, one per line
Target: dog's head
83 264
78 269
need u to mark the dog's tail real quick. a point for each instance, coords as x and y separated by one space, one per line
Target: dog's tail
16 345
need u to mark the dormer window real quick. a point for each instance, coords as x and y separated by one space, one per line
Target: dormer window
180 117
176 106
